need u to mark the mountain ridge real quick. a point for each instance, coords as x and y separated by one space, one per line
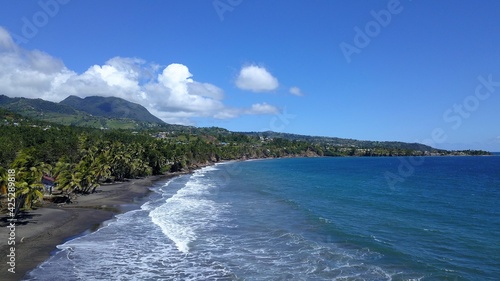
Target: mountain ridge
95 111
18 104
108 112
111 107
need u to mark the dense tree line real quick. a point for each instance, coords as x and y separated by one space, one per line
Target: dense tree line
79 159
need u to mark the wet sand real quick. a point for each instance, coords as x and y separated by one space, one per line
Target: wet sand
38 232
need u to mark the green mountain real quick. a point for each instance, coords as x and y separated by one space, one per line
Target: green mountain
96 112
111 107
34 107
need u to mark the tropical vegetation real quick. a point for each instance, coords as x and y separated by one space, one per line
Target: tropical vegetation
80 159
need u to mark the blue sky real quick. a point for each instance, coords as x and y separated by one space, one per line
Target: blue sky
413 71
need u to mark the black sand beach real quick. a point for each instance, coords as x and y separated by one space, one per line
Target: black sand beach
38 232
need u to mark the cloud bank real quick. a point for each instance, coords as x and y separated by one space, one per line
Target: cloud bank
256 79
170 93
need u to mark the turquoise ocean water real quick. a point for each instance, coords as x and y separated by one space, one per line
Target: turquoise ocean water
303 219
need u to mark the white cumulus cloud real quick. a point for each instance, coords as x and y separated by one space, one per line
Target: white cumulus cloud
6 42
296 91
262 108
170 93
256 79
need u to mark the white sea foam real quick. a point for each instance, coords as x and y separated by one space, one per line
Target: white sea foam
130 248
187 211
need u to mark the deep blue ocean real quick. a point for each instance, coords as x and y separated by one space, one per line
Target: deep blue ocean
432 218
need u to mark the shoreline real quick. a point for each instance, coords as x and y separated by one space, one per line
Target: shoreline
39 231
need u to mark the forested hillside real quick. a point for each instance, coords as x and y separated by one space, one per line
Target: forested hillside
79 159
94 112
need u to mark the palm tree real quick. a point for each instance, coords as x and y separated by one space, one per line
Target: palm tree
28 178
3 180
30 190
100 169
63 174
121 159
93 167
